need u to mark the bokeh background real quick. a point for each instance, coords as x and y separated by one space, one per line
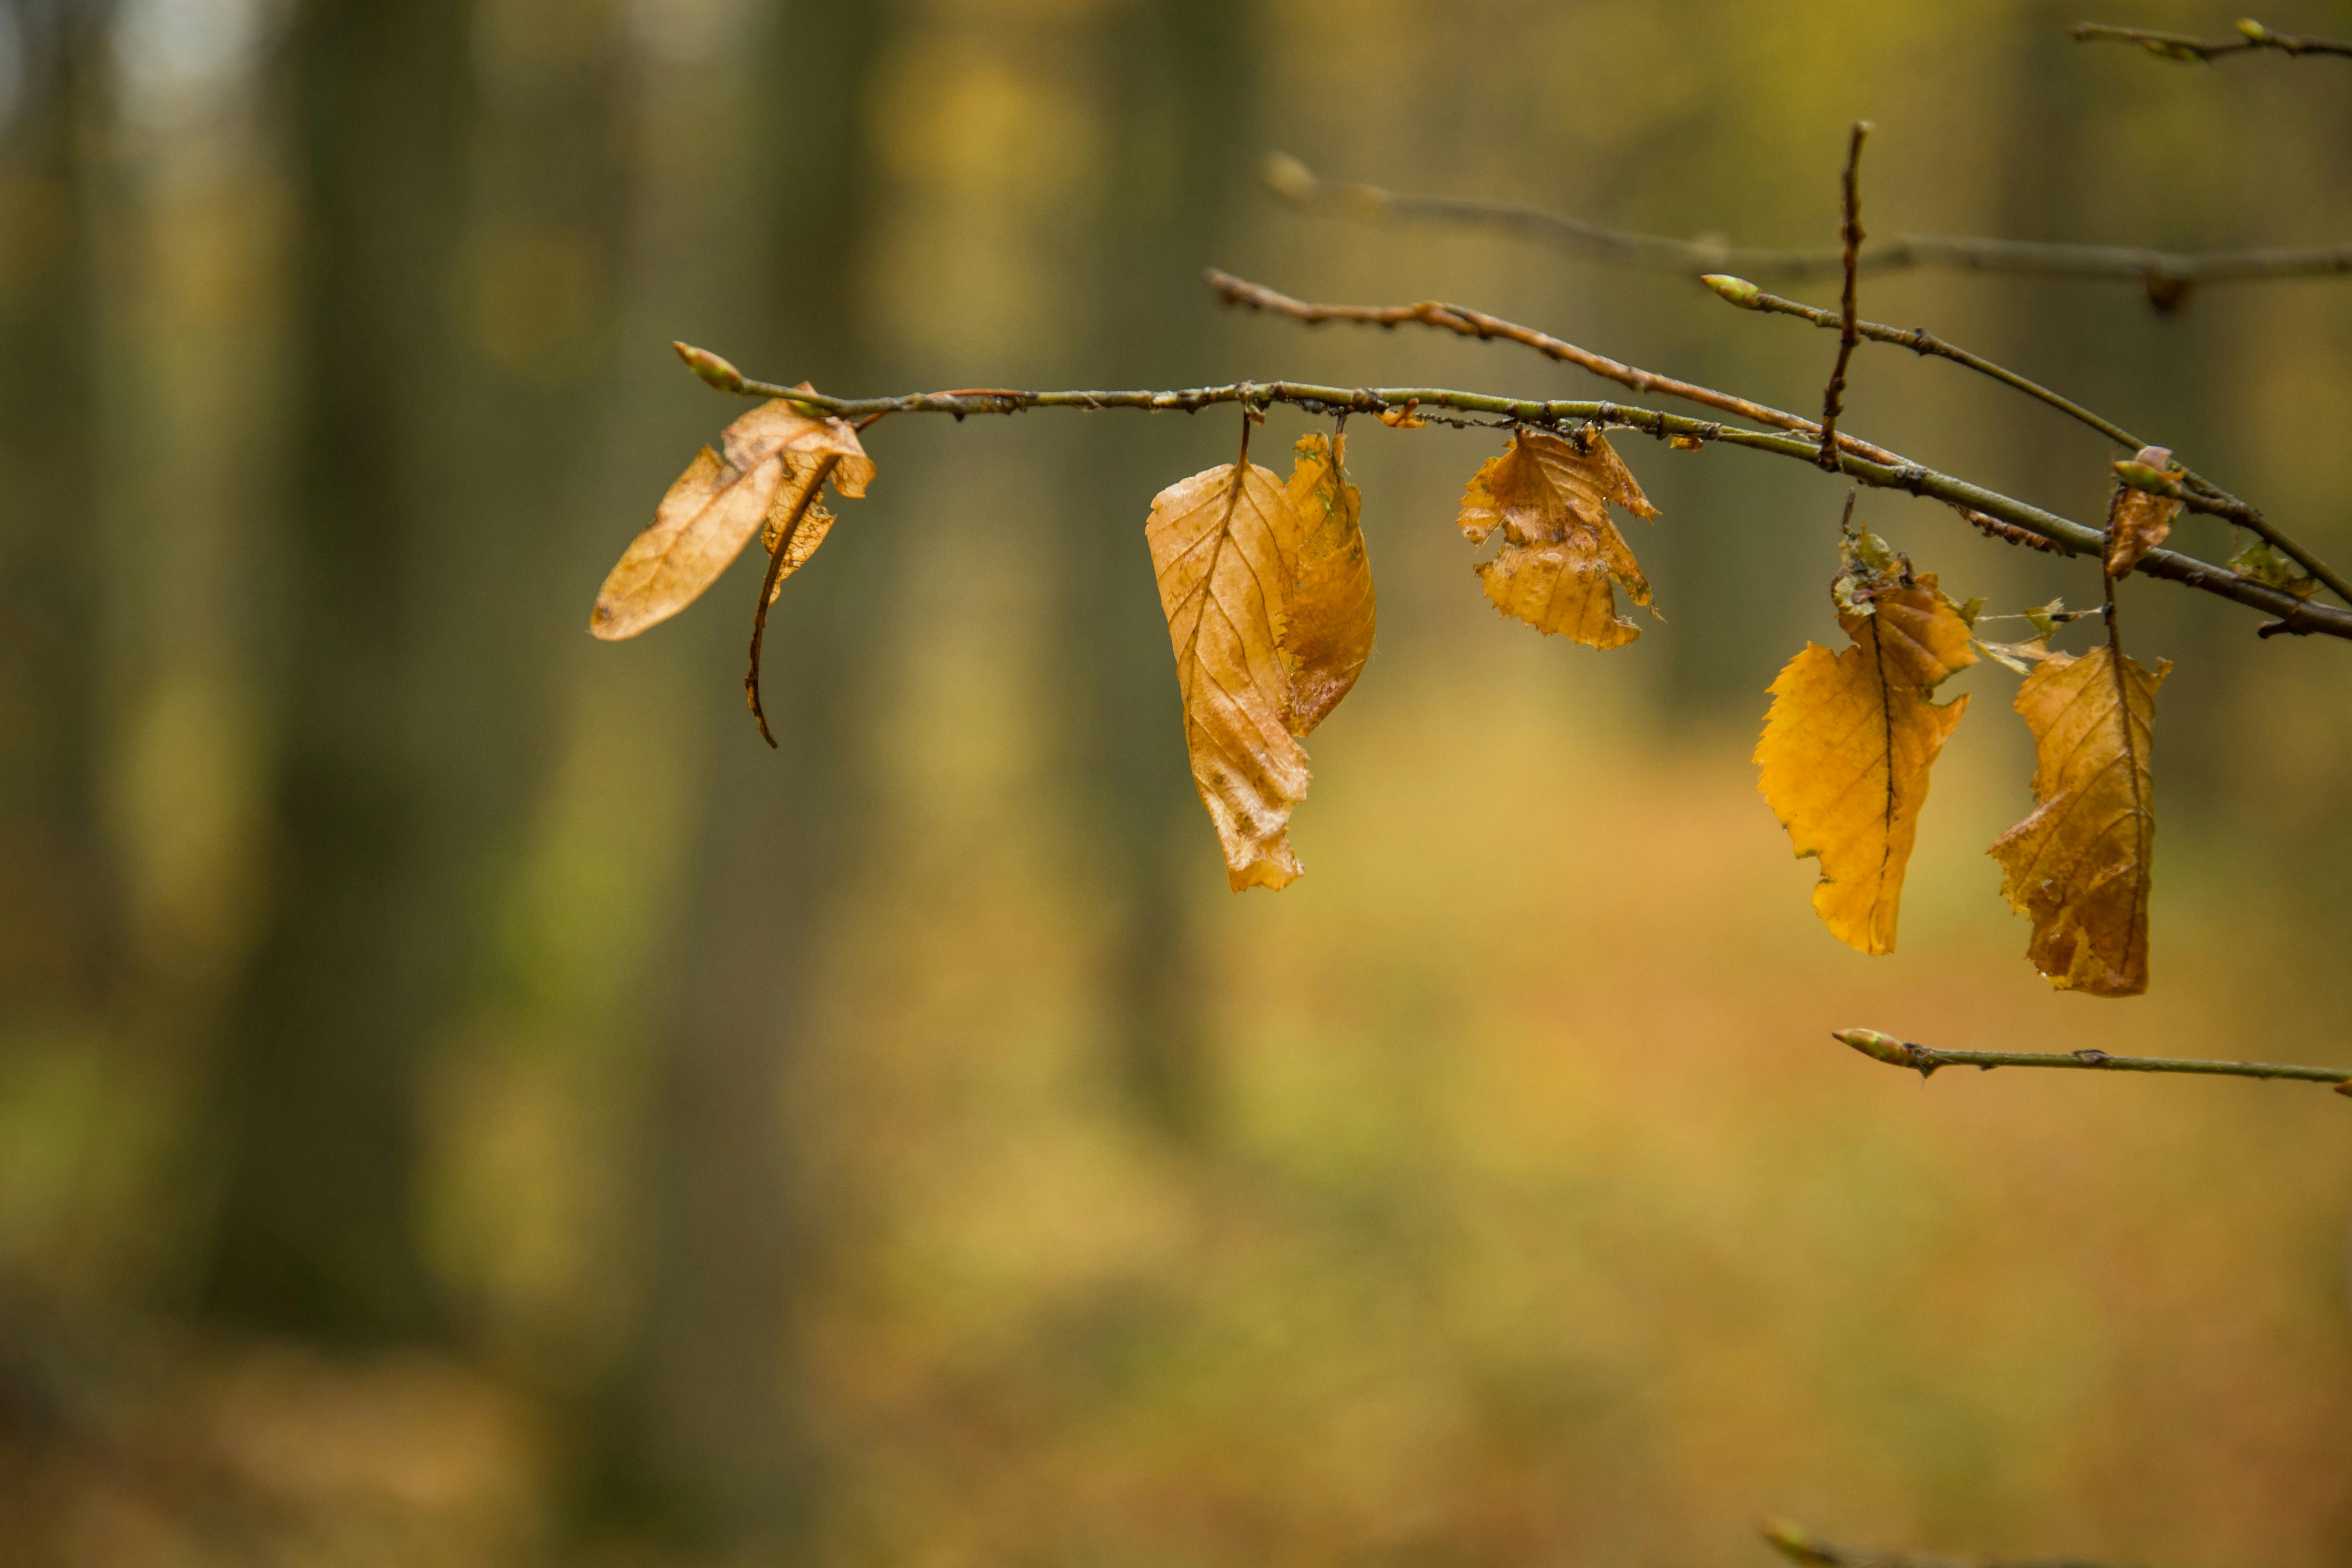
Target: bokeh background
465 1100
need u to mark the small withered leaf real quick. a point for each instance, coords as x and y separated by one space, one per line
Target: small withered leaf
1560 550
2019 657
2081 864
1329 617
2140 520
716 506
1848 744
1224 544
814 524
2262 561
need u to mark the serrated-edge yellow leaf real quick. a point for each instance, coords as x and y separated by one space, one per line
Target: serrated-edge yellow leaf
1224 545
1561 551
1847 749
2081 864
1330 615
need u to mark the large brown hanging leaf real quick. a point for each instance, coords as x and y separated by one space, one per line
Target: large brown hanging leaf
2080 864
2140 520
1224 544
1328 635
774 456
1560 547
1848 743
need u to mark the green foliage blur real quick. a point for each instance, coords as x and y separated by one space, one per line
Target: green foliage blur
465 1100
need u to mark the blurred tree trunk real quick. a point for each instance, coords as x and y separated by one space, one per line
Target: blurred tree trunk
56 913
364 930
1183 153
705 1439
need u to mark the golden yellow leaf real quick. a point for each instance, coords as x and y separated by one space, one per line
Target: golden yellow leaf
772 456
2080 864
1560 547
1848 743
1224 544
1328 635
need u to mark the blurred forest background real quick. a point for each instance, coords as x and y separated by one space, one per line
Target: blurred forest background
465 1100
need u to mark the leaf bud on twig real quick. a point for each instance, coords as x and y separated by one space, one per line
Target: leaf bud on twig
710 367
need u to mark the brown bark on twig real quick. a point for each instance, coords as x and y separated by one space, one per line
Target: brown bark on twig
1849 238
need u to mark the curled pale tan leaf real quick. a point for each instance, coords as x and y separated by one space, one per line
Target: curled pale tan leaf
1224 544
2140 520
2081 864
1330 616
1561 551
1848 743
770 459
2016 656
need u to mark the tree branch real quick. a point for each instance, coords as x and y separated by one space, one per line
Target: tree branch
1925 1060
2165 275
2003 521
2252 36
1794 1542
2195 491
1889 470
1850 240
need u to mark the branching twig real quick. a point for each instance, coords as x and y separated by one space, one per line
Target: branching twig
2165 275
1465 321
1886 470
2193 490
2252 37
1849 242
1469 323
1794 1542
1925 1060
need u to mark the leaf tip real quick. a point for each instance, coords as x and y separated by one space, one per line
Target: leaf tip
712 369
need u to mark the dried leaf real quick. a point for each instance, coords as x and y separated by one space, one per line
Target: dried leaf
1330 616
1224 544
2043 619
772 458
2140 520
2016 655
814 524
1405 418
2260 562
1848 743
2080 864
1560 550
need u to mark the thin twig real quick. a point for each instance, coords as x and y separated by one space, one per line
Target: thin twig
1467 322
1926 1059
1850 240
1919 339
1987 509
2165 275
2193 490
1800 1545
2252 37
